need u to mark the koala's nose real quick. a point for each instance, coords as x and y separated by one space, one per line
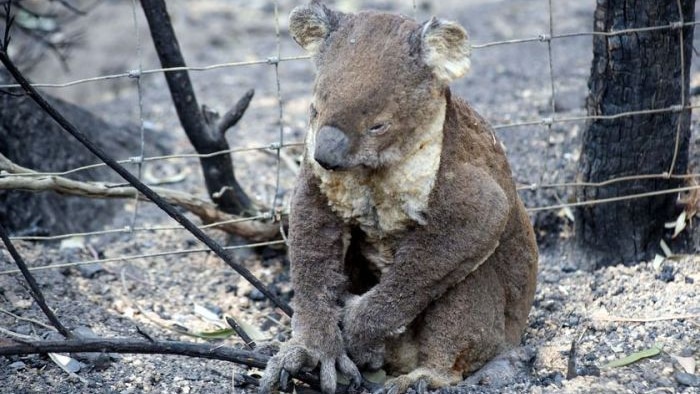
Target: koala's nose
332 147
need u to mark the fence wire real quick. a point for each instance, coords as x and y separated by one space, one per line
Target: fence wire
277 211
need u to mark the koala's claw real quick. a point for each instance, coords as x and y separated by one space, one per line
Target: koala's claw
285 380
393 389
349 369
286 362
421 386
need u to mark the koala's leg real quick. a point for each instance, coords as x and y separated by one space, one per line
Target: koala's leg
459 332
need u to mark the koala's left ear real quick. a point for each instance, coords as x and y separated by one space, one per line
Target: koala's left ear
446 49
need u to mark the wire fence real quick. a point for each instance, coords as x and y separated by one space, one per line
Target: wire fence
276 61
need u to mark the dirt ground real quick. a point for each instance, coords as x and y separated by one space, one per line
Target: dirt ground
608 314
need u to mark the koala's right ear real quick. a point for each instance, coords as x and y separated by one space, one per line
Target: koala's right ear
311 24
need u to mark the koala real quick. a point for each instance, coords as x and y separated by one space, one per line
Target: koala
410 249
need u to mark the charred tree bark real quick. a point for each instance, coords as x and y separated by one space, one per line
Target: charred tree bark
632 72
203 131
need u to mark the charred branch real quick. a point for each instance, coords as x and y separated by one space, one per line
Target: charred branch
33 285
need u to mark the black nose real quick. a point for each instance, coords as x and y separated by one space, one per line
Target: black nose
332 147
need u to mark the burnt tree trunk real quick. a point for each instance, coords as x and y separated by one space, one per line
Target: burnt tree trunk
204 130
632 72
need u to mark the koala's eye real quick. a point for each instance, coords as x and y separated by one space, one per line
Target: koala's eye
379 128
312 112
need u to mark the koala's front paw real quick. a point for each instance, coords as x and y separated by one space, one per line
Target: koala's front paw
293 356
363 350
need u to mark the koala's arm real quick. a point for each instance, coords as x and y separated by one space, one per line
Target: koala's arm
317 243
463 230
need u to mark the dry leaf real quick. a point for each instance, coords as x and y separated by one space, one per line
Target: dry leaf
73 243
665 248
680 224
688 363
567 213
253 332
205 313
66 363
658 261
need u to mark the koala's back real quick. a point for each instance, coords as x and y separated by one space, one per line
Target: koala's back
470 140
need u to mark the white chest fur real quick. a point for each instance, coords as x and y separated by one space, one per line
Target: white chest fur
386 201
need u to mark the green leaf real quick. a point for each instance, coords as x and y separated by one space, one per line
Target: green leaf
216 334
633 358
378 376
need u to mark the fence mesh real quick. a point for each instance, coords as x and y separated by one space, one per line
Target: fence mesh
276 61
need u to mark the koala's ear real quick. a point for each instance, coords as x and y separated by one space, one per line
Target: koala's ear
446 49
311 24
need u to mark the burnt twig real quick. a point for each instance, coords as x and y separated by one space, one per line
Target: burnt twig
234 114
33 286
571 364
247 340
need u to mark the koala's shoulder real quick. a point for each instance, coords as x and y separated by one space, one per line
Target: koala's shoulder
473 160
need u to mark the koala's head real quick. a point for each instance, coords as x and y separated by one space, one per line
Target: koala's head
381 81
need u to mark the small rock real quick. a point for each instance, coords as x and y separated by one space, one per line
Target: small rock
568 268
24 329
214 308
52 336
666 274
271 321
573 321
551 306
256 295
689 280
588 370
17 365
89 271
687 379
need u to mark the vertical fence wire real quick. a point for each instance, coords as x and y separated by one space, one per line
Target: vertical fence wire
681 29
553 104
280 104
139 92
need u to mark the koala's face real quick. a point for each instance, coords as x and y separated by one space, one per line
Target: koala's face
380 81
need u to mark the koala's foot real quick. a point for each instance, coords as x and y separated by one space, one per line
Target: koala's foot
295 356
504 369
365 355
420 379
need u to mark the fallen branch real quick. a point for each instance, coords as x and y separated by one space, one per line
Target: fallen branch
207 212
137 346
